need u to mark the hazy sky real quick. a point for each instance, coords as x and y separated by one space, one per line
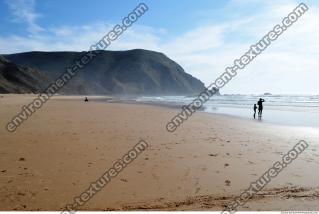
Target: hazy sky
204 36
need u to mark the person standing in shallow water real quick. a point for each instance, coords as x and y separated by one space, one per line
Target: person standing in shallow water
260 106
255 108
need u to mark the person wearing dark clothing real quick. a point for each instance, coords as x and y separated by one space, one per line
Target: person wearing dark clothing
255 108
260 106
86 99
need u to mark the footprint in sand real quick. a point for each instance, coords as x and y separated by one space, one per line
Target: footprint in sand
187 171
21 159
203 168
226 164
197 186
212 138
213 155
197 190
155 176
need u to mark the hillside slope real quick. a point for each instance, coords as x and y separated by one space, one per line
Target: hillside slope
16 79
133 72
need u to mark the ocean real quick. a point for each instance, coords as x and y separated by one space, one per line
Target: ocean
296 110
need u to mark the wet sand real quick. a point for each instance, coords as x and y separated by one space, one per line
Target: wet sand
204 165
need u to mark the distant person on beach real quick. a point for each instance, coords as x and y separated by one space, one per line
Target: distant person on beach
260 106
255 108
86 99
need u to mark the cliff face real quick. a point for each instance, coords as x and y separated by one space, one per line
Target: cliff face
133 72
15 79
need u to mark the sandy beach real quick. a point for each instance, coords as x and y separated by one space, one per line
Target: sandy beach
207 162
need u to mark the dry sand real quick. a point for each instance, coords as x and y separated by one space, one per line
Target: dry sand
67 144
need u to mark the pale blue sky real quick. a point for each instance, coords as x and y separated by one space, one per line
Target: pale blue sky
204 36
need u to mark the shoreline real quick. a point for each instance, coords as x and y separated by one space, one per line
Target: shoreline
177 106
121 100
